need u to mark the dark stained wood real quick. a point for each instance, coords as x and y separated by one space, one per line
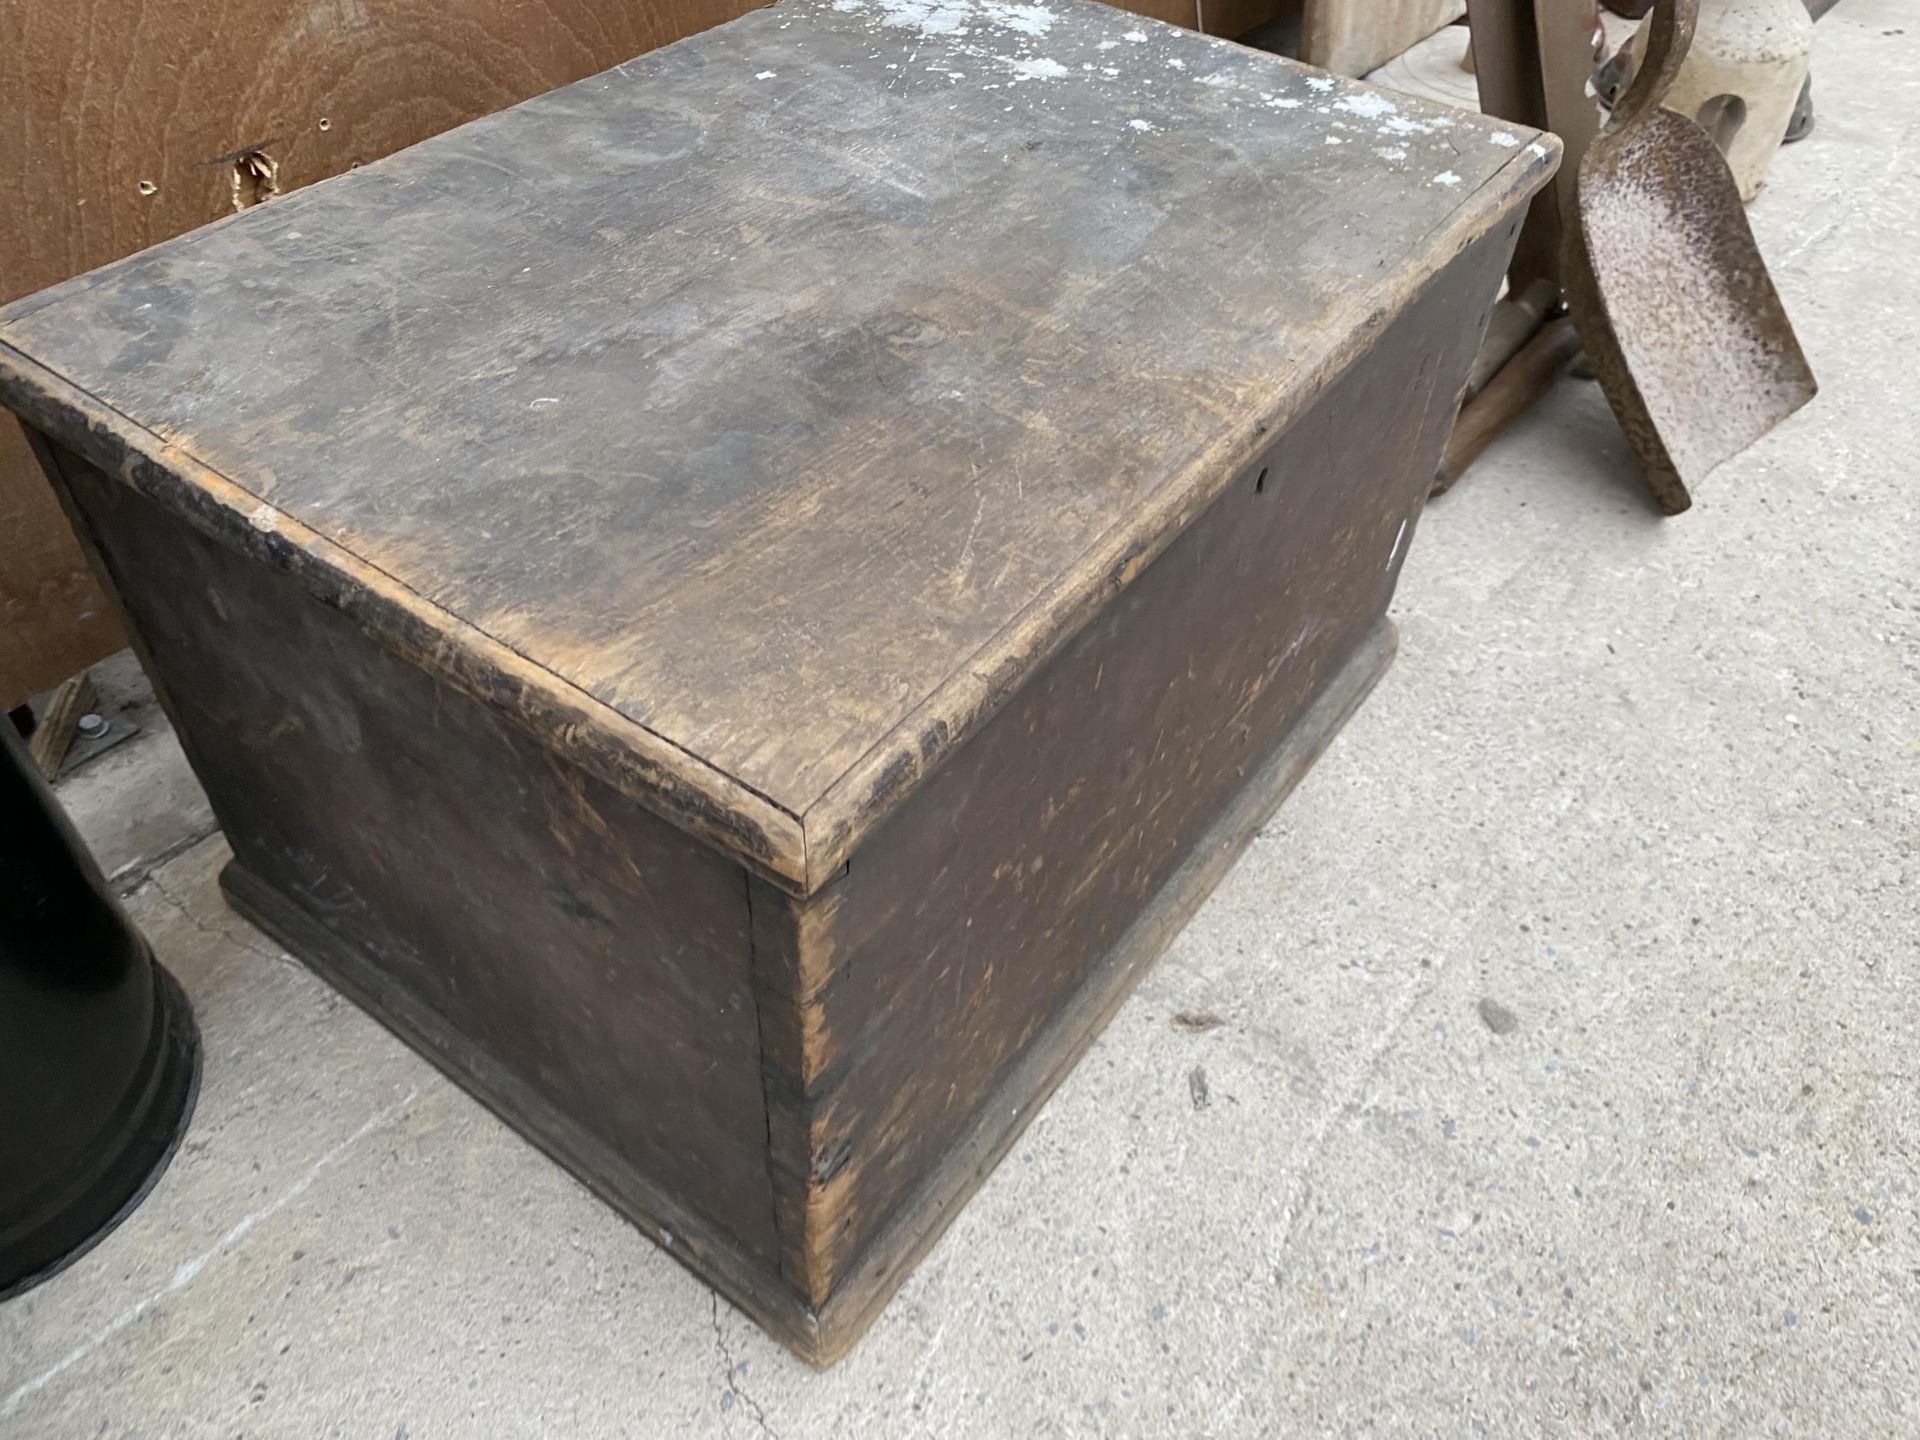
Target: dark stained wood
147 128
626 357
822 1334
1023 1088
560 929
738 605
895 999
525 693
689 1236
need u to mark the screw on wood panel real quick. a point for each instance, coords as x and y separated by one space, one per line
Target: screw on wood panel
325 123
147 187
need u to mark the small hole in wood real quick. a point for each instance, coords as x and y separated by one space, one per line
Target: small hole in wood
256 177
1260 482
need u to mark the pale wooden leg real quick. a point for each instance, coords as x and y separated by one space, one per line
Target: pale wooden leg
1351 37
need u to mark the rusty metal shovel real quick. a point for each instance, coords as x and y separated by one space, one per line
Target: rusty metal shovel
1674 304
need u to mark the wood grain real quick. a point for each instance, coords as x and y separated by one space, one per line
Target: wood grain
627 359
54 621
124 127
1023 1089
126 123
737 605
894 999
1352 37
1514 389
566 934
53 736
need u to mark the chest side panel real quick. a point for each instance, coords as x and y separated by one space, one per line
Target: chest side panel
904 992
560 932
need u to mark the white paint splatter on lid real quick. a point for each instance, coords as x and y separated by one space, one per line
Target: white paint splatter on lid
1447 178
1367 105
1037 67
766 75
1505 140
1027 19
929 17
1321 83
1146 125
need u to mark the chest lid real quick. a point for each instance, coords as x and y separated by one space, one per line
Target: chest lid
774 402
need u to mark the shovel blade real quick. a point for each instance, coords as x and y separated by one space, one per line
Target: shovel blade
1682 323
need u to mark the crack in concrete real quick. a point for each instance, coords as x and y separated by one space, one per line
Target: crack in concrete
218 932
1348 1103
746 1401
130 877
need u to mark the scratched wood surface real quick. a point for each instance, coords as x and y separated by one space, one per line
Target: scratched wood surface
894 1000
793 391
559 933
128 125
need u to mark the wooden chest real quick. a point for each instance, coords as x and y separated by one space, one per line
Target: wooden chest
737 604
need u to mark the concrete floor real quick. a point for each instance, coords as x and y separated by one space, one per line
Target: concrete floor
1567 1075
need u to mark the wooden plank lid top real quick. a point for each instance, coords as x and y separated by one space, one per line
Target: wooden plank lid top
757 414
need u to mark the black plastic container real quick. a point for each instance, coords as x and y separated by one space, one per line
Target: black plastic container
99 1055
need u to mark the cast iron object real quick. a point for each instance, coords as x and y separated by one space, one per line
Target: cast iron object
99 1055
1678 313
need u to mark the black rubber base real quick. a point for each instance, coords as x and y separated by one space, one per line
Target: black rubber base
132 1154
